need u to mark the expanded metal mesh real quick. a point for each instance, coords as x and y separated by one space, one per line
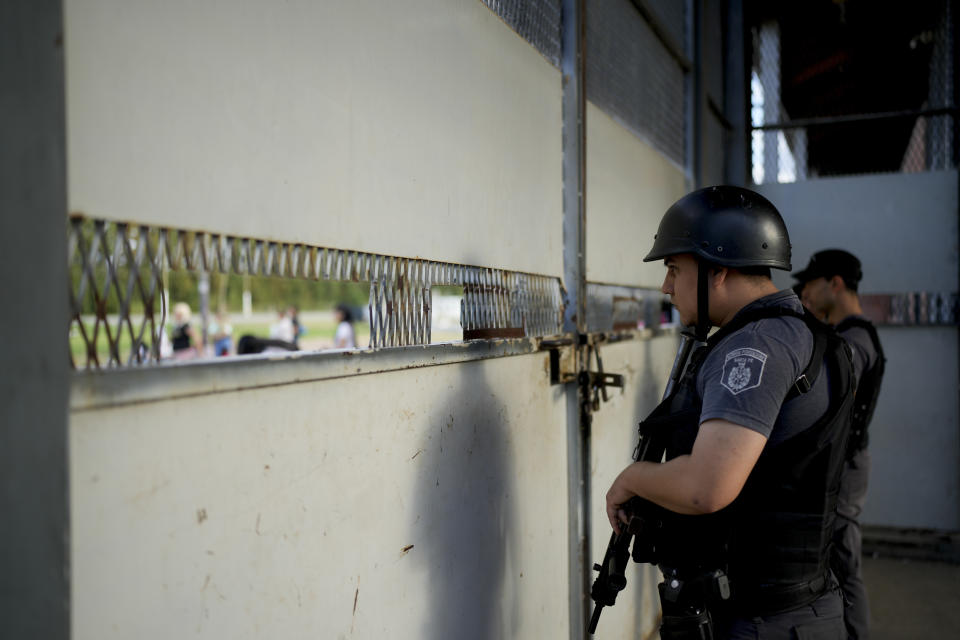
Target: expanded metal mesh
536 21
631 75
864 92
619 308
117 273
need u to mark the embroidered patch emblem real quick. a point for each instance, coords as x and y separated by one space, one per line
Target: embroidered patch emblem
742 369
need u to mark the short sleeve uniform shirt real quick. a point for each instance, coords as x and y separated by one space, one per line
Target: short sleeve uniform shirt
746 377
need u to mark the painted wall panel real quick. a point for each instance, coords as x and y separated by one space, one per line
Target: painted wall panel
902 227
915 433
423 503
420 129
646 366
629 187
904 230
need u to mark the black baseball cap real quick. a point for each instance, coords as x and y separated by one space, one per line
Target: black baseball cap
829 263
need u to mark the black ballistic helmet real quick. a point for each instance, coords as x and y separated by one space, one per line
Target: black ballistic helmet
728 226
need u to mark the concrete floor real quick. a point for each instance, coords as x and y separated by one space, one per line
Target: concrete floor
912 598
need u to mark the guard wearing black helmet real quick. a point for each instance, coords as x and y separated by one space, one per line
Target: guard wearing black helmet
828 288
739 516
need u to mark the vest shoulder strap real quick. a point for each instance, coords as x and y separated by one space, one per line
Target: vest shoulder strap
868 387
819 330
866 325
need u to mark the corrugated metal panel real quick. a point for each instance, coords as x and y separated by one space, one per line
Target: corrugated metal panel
632 76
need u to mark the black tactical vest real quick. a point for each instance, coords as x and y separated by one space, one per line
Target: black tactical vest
868 387
772 541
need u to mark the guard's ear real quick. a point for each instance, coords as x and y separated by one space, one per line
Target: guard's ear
837 284
719 274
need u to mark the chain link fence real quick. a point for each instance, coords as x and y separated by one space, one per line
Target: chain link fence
844 88
633 76
632 68
536 21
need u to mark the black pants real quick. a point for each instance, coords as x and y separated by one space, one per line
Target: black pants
822 619
847 545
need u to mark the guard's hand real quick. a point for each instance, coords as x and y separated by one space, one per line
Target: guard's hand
616 496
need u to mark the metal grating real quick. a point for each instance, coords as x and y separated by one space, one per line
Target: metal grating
673 16
500 303
633 77
117 274
536 21
912 308
843 89
114 267
620 308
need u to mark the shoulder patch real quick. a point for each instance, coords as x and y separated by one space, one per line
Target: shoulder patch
743 369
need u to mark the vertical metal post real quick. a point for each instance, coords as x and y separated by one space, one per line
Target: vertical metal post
735 95
203 289
693 96
575 316
954 27
769 50
34 534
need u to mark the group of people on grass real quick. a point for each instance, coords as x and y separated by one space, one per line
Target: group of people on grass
184 342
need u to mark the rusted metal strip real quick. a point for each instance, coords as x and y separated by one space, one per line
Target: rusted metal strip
489 334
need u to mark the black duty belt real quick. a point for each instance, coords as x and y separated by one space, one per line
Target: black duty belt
772 599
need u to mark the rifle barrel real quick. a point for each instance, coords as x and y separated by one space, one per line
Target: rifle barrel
594 619
683 353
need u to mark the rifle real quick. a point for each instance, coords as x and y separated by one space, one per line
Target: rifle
611 578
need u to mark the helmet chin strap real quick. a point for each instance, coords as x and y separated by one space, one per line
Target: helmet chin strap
703 303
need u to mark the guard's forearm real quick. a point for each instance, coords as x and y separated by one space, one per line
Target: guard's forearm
674 485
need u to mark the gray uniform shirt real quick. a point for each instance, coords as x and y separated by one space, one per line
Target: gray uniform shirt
745 379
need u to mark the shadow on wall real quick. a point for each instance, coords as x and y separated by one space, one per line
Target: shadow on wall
650 385
650 388
465 513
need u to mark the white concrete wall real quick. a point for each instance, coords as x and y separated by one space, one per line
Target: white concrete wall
290 511
904 230
421 129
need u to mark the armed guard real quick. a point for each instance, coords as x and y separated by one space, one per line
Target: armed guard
828 287
734 490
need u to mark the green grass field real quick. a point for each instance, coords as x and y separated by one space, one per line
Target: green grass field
320 328
319 335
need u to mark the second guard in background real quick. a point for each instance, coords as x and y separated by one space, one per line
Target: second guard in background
739 517
828 288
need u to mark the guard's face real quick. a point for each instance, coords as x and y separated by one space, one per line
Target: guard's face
817 297
680 284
